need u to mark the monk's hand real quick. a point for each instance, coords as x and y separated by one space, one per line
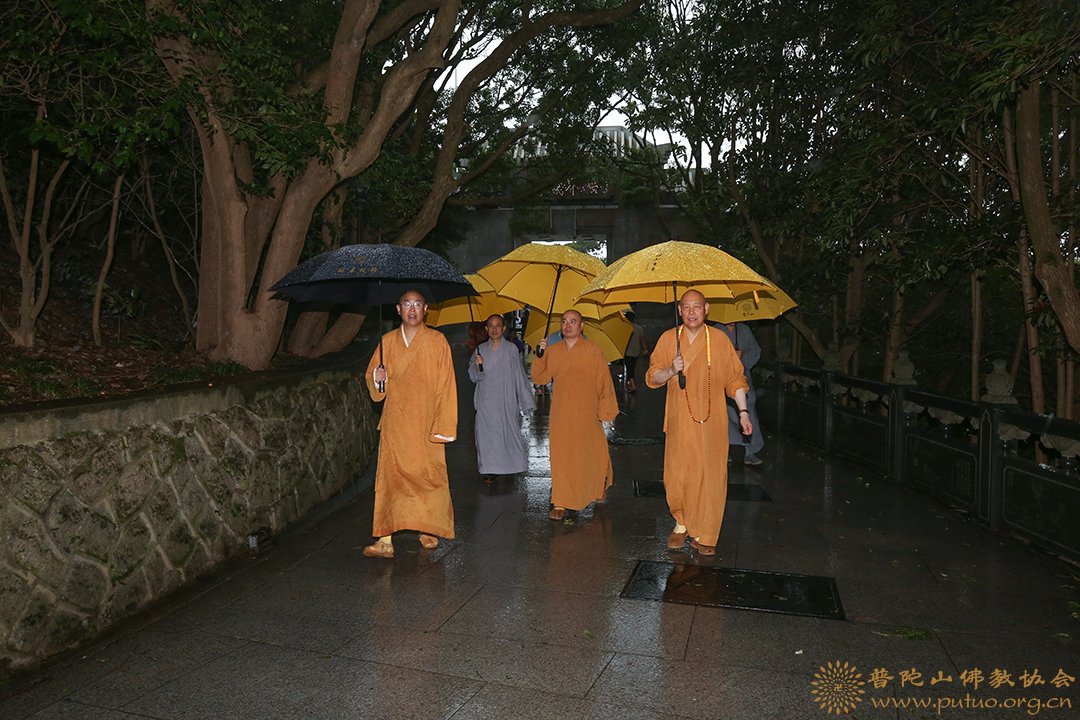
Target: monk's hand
677 365
479 359
542 345
745 425
380 374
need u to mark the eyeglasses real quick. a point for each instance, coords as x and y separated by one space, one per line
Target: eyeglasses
412 304
494 327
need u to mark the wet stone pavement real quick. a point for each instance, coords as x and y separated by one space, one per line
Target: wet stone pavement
521 617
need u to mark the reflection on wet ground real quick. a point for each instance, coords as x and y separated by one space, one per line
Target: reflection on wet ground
522 617
788 593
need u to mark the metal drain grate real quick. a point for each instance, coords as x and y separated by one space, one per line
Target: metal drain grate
785 593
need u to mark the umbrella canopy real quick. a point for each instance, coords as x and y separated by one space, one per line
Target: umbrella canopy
548 277
611 333
662 273
373 275
591 310
471 308
765 304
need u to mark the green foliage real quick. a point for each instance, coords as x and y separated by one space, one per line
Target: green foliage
825 137
81 77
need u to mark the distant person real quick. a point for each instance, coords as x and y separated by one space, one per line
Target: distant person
695 422
419 416
582 399
502 394
749 352
476 335
635 348
515 338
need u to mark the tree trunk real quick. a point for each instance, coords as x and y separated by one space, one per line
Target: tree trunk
1031 331
1055 274
250 242
306 332
854 304
110 248
1060 399
34 274
1027 282
895 340
166 249
340 334
1070 382
1018 350
976 333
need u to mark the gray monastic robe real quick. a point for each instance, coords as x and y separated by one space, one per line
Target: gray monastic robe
743 339
502 394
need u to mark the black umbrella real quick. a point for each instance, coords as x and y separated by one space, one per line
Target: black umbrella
373 275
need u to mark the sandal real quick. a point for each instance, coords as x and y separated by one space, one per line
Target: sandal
379 549
705 550
676 540
428 542
556 513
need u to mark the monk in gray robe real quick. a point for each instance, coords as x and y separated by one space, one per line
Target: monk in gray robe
502 394
748 350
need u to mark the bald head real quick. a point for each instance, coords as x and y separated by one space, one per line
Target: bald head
692 296
411 307
495 325
571 325
693 309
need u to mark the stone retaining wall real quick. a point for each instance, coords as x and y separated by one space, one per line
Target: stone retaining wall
106 506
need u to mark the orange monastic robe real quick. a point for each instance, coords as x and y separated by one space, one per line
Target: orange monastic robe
696 448
411 487
582 396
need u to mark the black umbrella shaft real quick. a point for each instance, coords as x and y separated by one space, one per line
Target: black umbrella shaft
678 347
551 306
380 385
479 365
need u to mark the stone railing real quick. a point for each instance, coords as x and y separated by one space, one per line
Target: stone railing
106 506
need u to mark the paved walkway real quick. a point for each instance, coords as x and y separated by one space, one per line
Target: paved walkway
520 617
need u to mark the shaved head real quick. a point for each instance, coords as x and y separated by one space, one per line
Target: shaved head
571 325
693 309
691 296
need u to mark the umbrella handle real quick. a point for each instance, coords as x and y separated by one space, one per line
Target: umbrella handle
380 385
480 365
539 351
682 381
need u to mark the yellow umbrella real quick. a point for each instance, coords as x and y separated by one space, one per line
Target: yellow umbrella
611 333
661 273
547 277
591 310
471 308
765 304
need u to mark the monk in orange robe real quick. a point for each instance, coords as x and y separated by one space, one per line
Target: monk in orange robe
412 491
695 421
582 397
